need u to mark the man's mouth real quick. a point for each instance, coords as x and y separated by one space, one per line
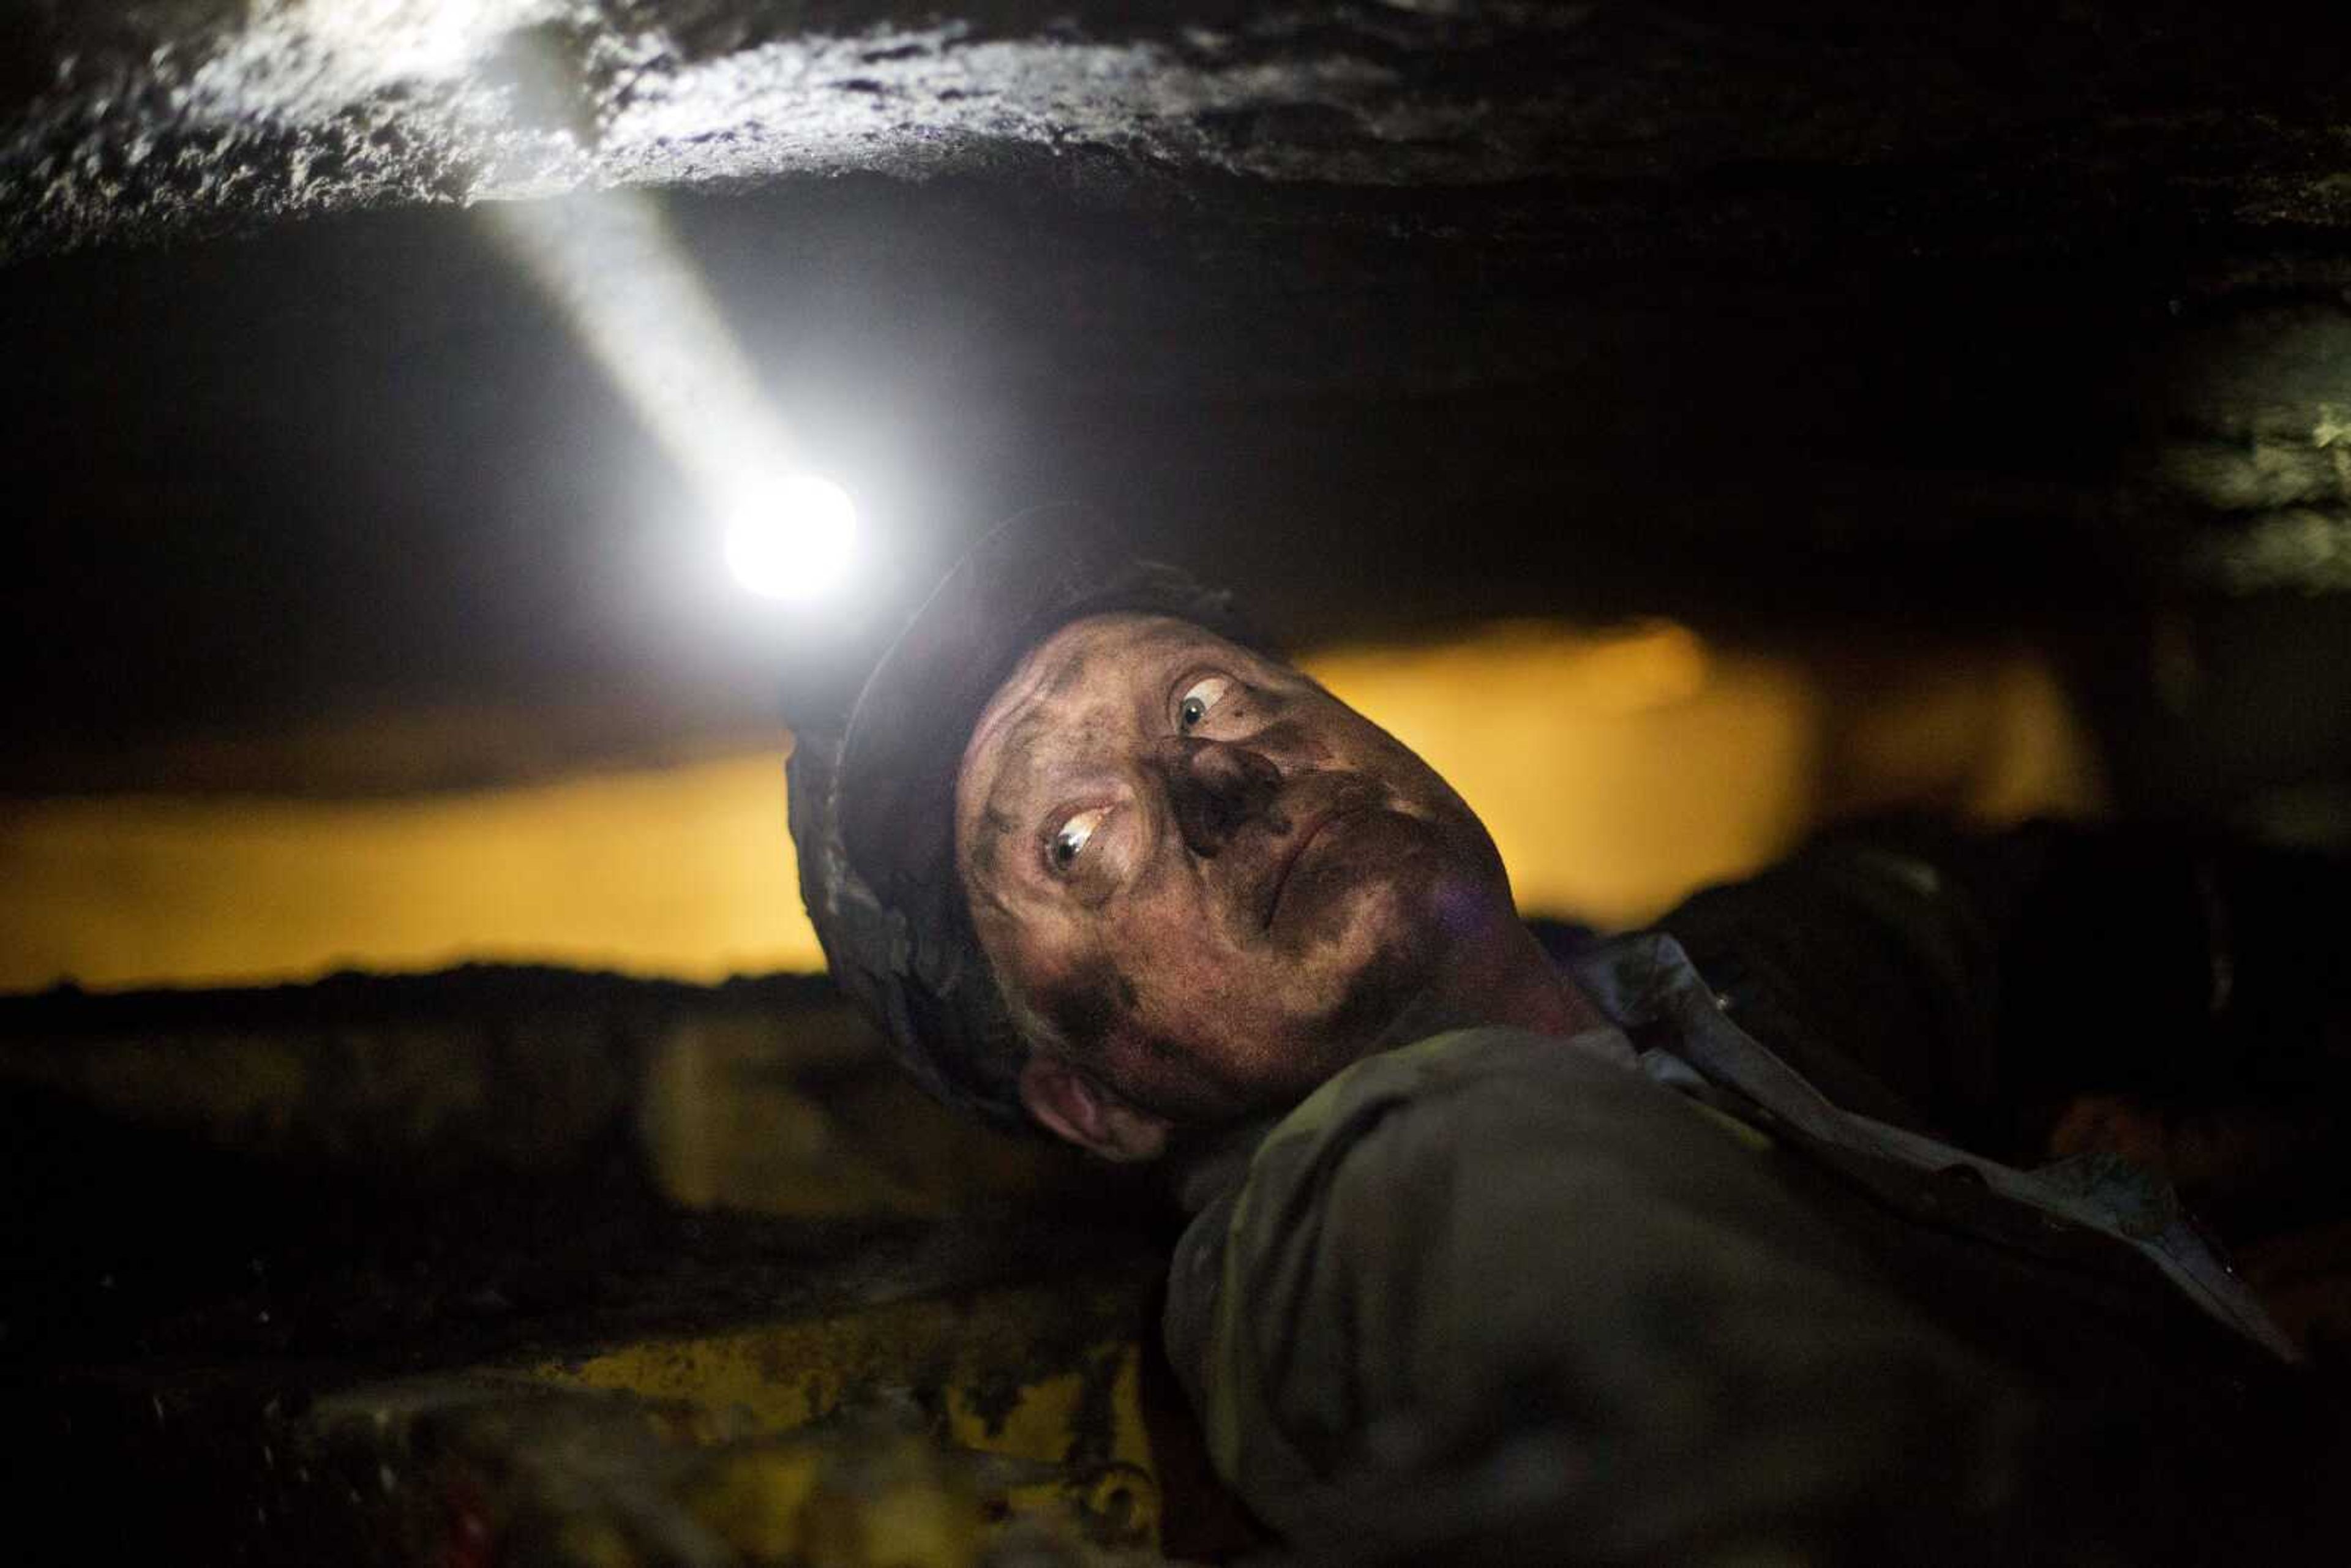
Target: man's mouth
1310 829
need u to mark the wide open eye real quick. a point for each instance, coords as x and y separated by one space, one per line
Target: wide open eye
1200 699
1069 839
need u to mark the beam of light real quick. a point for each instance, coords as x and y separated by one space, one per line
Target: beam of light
393 39
607 259
610 263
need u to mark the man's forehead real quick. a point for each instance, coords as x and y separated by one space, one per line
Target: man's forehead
1082 663
1088 645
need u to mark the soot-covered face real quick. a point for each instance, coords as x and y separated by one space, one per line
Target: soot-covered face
1212 882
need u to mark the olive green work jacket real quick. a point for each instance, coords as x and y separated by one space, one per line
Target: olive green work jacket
1502 1297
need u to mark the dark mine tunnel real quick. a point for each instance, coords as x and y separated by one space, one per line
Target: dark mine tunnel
1889 468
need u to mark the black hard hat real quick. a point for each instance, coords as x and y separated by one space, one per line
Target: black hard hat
873 803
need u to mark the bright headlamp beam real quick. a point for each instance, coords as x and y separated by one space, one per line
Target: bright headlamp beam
792 538
610 263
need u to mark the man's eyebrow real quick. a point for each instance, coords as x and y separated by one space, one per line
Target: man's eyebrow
994 825
996 820
981 883
1072 670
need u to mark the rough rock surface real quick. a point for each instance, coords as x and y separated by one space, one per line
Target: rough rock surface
1779 319
1952 126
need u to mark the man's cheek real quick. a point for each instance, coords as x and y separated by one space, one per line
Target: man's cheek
1090 1003
1299 744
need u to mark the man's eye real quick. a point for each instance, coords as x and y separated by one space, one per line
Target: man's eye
1069 839
1200 699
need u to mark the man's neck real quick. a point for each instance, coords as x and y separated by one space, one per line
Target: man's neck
1511 982
1508 979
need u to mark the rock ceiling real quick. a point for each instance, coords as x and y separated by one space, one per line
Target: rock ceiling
1767 316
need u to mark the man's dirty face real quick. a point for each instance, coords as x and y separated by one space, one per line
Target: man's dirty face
1214 882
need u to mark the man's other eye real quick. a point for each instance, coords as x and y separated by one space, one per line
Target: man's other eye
1199 700
1069 841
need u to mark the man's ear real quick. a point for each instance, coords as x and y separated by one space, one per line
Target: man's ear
1088 1114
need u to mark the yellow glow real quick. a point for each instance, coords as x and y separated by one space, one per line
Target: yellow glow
1620 771
1617 771
684 872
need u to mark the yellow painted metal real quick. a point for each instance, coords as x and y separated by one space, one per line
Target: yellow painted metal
1617 769
1002 1397
757 1500
801 1504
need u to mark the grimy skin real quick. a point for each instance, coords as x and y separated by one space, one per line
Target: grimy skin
1205 885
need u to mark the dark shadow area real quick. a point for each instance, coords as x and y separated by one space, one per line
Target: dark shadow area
1864 339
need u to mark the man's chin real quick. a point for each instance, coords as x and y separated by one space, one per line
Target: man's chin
1383 943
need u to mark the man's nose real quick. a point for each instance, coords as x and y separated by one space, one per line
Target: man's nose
1215 788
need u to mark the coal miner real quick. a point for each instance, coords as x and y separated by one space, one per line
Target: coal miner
1740 1240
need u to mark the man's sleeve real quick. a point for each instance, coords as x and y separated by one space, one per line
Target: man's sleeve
1496 1300
1969 985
